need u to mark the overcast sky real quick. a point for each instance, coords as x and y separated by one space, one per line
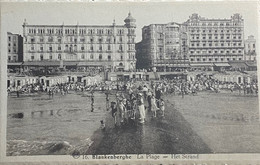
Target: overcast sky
13 14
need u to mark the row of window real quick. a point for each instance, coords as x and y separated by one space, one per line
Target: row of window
83 56
216 44
216 51
209 29
72 48
10 38
215 59
74 31
215 24
216 37
14 50
71 39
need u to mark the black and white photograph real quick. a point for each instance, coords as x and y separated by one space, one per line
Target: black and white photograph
129 78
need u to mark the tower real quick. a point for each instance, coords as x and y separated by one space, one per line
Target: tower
130 25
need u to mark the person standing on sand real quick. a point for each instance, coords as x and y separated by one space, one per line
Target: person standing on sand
153 105
141 108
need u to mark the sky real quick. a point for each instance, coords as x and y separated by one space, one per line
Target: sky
145 13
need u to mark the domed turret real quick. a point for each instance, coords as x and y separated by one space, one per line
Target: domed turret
130 21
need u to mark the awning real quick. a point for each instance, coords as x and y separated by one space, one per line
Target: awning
41 63
222 65
238 64
85 63
201 65
251 64
14 63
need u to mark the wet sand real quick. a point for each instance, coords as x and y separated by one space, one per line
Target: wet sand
172 134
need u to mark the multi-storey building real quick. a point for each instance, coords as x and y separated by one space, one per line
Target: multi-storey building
112 46
215 40
250 48
15 48
163 46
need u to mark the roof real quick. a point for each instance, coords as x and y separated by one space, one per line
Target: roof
130 17
222 64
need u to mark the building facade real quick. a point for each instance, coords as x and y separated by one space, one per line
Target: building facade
110 46
163 46
250 48
215 40
15 48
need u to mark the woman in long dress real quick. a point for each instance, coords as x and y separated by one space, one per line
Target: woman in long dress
153 106
141 108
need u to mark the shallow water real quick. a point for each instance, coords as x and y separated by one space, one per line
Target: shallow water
54 120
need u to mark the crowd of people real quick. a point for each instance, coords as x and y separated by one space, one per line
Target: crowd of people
134 99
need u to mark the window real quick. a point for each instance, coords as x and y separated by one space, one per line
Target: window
100 57
108 47
100 47
253 45
32 48
91 56
32 57
50 57
59 39
9 50
59 48
9 38
234 59
120 47
216 59
59 56
227 59
192 59
32 39
222 59
50 48
91 48
121 57
50 39
210 59
82 48
82 40
204 59
41 57
100 40
198 59
41 48
82 56
109 57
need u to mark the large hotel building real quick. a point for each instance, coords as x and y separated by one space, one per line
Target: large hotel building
110 46
202 41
